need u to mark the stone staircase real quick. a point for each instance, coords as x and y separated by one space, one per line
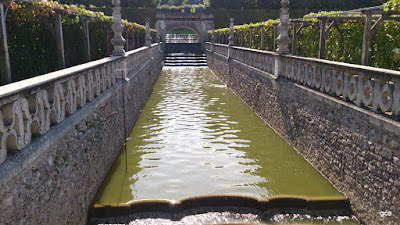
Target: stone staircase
184 54
185 59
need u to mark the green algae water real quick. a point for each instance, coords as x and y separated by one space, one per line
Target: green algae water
195 137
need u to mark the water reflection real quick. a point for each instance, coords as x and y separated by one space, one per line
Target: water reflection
195 137
193 147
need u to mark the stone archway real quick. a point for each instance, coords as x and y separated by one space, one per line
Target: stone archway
198 22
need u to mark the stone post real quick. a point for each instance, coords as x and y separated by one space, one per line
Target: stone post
118 41
5 68
231 32
148 37
283 39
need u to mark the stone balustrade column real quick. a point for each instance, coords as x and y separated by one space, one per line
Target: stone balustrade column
118 41
148 37
283 39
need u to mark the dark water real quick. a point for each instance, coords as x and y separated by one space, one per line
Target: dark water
195 137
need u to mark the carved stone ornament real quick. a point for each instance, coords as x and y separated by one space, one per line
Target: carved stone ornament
283 39
118 40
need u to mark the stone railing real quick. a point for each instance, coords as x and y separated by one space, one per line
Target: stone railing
375 89
262 60
30 108
372 88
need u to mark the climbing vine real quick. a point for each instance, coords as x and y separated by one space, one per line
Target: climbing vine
343 43
31 36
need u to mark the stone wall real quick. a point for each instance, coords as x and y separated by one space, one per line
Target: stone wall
355 148
54 179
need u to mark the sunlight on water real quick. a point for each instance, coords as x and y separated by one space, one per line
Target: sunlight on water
195 137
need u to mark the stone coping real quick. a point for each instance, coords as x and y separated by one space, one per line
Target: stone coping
24 85
378 71
262 204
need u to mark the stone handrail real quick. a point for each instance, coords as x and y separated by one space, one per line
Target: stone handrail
30 108
375 89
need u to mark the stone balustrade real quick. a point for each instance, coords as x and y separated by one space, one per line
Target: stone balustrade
375 89
371 88
30 108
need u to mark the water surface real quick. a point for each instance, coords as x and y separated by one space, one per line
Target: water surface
195 137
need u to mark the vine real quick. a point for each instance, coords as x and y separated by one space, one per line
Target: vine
343 42
31 36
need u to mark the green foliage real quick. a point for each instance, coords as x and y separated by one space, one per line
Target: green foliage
187 8
31 36
392 5
343 43
295 4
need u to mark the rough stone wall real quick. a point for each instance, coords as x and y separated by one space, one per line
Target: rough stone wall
357 150
58 187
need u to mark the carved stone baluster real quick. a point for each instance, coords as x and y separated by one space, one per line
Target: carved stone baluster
57 100
97 82
377 92
396 98
346 82
71 98
385 97
333 81
3 139
339 84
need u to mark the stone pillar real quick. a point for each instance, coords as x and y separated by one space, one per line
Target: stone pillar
60 41
148 37
283 39
231 32
5 68
118 41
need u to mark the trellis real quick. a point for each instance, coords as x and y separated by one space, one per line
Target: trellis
372 17
327 22
134 39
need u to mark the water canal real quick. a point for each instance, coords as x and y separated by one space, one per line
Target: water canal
196 138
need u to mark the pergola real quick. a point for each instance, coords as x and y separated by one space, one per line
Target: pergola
373 17
375 14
